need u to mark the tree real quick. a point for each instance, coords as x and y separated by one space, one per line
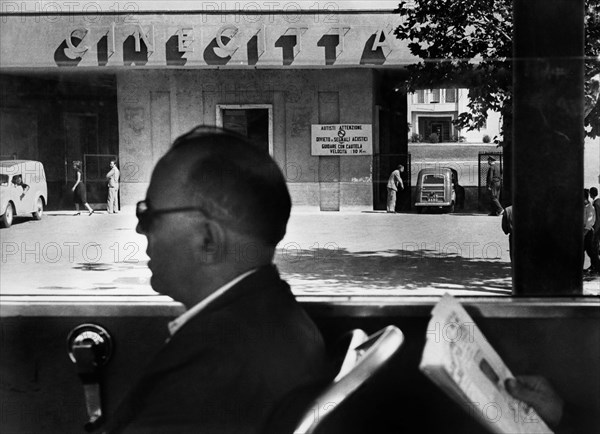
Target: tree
465 43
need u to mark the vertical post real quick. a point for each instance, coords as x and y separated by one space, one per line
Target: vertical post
548 76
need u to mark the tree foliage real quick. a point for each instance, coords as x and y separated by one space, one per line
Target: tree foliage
465 43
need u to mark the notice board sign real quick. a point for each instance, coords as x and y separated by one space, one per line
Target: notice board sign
342 139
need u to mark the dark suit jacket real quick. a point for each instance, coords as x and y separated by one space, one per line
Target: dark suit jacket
227 368
596 205
494 174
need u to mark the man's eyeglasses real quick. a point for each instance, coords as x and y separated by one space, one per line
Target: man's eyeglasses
145 214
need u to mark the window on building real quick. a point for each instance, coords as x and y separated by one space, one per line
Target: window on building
435 96
450 95
420 96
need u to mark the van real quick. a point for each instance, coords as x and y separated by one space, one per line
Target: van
436 189
23 190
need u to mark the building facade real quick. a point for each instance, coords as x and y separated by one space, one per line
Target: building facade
314 88
432 111
94 85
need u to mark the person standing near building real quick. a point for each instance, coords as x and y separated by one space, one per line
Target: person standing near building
394 182
507 228
595 202
113 188
493 183
589 218
79 193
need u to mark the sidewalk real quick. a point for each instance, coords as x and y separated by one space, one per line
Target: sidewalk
341 253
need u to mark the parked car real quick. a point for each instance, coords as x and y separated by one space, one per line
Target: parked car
437 189
23 190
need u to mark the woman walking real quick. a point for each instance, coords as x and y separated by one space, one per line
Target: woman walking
79 193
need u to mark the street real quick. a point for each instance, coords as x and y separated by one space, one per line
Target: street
346 253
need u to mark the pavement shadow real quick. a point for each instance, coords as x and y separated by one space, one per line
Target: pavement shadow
394 269
19 220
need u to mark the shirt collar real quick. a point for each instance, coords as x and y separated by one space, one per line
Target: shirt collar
178 322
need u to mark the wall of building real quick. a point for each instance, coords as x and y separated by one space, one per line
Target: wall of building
156 106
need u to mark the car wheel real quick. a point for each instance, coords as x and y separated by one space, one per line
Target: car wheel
420 210
39 209
451 207
7 217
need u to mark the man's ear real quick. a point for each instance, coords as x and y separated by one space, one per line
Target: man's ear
210 246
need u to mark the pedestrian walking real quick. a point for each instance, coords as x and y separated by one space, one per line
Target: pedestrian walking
79 193
595 258
589 218
493 183
112 203
394 182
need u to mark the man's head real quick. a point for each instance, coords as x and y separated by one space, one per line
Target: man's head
112 163
593 192
586 195
400 167
216 206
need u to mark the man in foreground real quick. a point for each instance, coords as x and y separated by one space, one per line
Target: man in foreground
215 209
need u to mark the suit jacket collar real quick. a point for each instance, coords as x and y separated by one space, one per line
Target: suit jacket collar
264 277
178 350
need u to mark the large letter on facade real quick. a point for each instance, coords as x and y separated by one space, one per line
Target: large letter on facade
76 51
226 49
383 44
148 39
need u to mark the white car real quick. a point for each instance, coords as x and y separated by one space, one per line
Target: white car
23 190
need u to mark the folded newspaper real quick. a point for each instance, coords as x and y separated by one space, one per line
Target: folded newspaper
460 360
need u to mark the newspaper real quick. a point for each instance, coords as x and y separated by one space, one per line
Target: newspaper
460 360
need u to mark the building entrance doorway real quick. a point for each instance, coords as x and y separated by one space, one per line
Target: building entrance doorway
254 121
442 126
392 151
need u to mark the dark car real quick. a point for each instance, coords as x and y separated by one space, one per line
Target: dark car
436 189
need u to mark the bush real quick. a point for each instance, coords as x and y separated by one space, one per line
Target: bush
486 139
415 137
434 138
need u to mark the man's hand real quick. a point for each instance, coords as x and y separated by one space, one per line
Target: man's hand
537 392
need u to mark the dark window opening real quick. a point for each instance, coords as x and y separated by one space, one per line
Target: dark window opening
252 123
